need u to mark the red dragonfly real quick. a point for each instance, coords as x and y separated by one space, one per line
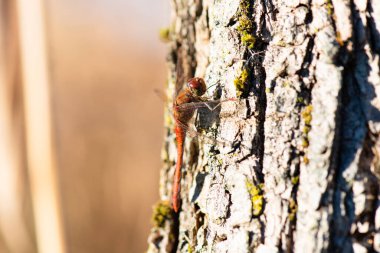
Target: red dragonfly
185 103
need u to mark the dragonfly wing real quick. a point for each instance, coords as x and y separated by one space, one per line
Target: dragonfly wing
162 95
209 140
211 105
191 106
191 132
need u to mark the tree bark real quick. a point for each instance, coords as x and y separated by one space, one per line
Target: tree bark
296 167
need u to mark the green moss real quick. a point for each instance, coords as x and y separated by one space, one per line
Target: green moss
300 100
245 26
164 34
245 29
295 180
241 81
162 211
172 238
292 210
329 7
244 22
248 39
257 197
305 138
307 118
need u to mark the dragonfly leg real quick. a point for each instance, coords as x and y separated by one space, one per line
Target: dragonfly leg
220 103
212 108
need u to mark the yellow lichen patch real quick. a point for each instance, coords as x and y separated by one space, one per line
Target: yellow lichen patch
307 118
257 198
305 142
281 43
306 129
164 34
168 118
162 211
339 39
306 159
306 114
292 209
295 180
241 81
190 249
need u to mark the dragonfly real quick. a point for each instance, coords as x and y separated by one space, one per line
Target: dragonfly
185 103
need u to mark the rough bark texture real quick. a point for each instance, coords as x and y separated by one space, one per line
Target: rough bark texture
297 165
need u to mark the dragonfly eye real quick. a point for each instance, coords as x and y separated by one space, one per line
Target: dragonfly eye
197 86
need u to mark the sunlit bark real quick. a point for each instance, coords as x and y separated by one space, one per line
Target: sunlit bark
296 165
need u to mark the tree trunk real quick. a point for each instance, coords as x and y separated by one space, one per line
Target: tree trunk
296 165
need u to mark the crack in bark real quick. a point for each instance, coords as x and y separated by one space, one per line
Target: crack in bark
360 160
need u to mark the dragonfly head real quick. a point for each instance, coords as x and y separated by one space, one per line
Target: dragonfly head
197 86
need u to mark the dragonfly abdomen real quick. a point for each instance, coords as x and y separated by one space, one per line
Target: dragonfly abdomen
180 136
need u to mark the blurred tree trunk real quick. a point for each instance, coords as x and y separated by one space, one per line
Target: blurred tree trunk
302 171
29 213
16 217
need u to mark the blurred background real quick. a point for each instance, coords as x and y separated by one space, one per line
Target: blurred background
104 59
